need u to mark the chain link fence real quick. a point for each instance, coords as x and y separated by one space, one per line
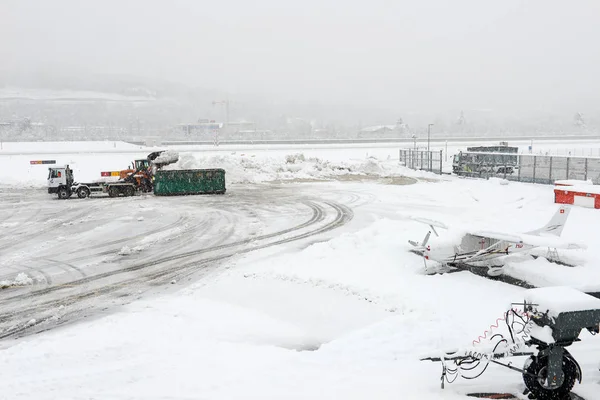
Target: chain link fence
534 169
547 169
422 160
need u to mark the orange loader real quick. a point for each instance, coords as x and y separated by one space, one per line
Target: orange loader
141 172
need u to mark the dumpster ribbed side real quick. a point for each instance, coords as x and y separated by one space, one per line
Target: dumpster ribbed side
189 181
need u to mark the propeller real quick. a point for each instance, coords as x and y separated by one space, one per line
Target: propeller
422 248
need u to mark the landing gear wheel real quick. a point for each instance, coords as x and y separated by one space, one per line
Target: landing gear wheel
537 384
83 192
63 194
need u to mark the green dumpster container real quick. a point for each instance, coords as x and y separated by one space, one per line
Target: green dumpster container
189 181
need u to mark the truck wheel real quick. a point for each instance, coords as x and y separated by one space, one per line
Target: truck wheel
63 193
537 381
113 191
83 192
129 191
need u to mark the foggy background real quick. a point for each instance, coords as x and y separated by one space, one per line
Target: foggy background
325 67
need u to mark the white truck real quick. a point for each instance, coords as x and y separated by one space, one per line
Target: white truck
62 183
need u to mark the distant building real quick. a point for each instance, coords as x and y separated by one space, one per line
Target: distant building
202 127
377 129
399 129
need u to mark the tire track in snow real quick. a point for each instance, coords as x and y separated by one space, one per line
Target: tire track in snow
33 235
68 267
316 217
123 241
343 215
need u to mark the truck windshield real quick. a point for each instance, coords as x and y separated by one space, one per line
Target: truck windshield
141 164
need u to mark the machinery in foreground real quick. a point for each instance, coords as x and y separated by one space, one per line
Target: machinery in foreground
145 175
551 320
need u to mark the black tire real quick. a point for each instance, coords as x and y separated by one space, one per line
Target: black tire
113 191
129 191
83 192
537 366
63 193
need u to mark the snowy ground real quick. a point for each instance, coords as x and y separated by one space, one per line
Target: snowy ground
297 283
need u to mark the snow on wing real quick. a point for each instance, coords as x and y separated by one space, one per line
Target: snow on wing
532 240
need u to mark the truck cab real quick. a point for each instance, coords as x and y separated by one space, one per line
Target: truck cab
60 181
142 164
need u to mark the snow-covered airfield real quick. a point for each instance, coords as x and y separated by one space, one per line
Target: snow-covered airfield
297 283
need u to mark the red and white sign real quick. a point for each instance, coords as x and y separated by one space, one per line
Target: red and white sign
580 195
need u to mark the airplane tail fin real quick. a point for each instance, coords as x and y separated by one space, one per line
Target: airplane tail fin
555 225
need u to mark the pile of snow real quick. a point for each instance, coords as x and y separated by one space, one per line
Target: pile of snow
167 157
22 279
241 168
126 251
499 181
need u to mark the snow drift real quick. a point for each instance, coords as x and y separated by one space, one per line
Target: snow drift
241 168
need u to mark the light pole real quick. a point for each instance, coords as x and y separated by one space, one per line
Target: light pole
428 135
226 102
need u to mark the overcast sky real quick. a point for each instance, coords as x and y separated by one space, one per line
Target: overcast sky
414 55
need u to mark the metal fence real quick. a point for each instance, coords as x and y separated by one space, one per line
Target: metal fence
422 160
547 169
540 169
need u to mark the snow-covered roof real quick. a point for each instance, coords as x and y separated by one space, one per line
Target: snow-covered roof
378 128
560 299
571 182
591 189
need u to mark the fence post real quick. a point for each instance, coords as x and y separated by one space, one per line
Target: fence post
519 169
441 161
534 164
568 167
550 169
421 164
586 168
430 156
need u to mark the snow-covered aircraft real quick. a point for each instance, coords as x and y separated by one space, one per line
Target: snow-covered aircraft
479 248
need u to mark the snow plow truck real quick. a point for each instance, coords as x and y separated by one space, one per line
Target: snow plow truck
139 178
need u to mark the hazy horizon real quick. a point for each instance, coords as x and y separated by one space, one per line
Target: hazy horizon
425 57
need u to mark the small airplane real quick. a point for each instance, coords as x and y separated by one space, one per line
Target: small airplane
478 248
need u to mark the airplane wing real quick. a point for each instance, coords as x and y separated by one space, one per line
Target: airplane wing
430 222
532 240
507 237
551 241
